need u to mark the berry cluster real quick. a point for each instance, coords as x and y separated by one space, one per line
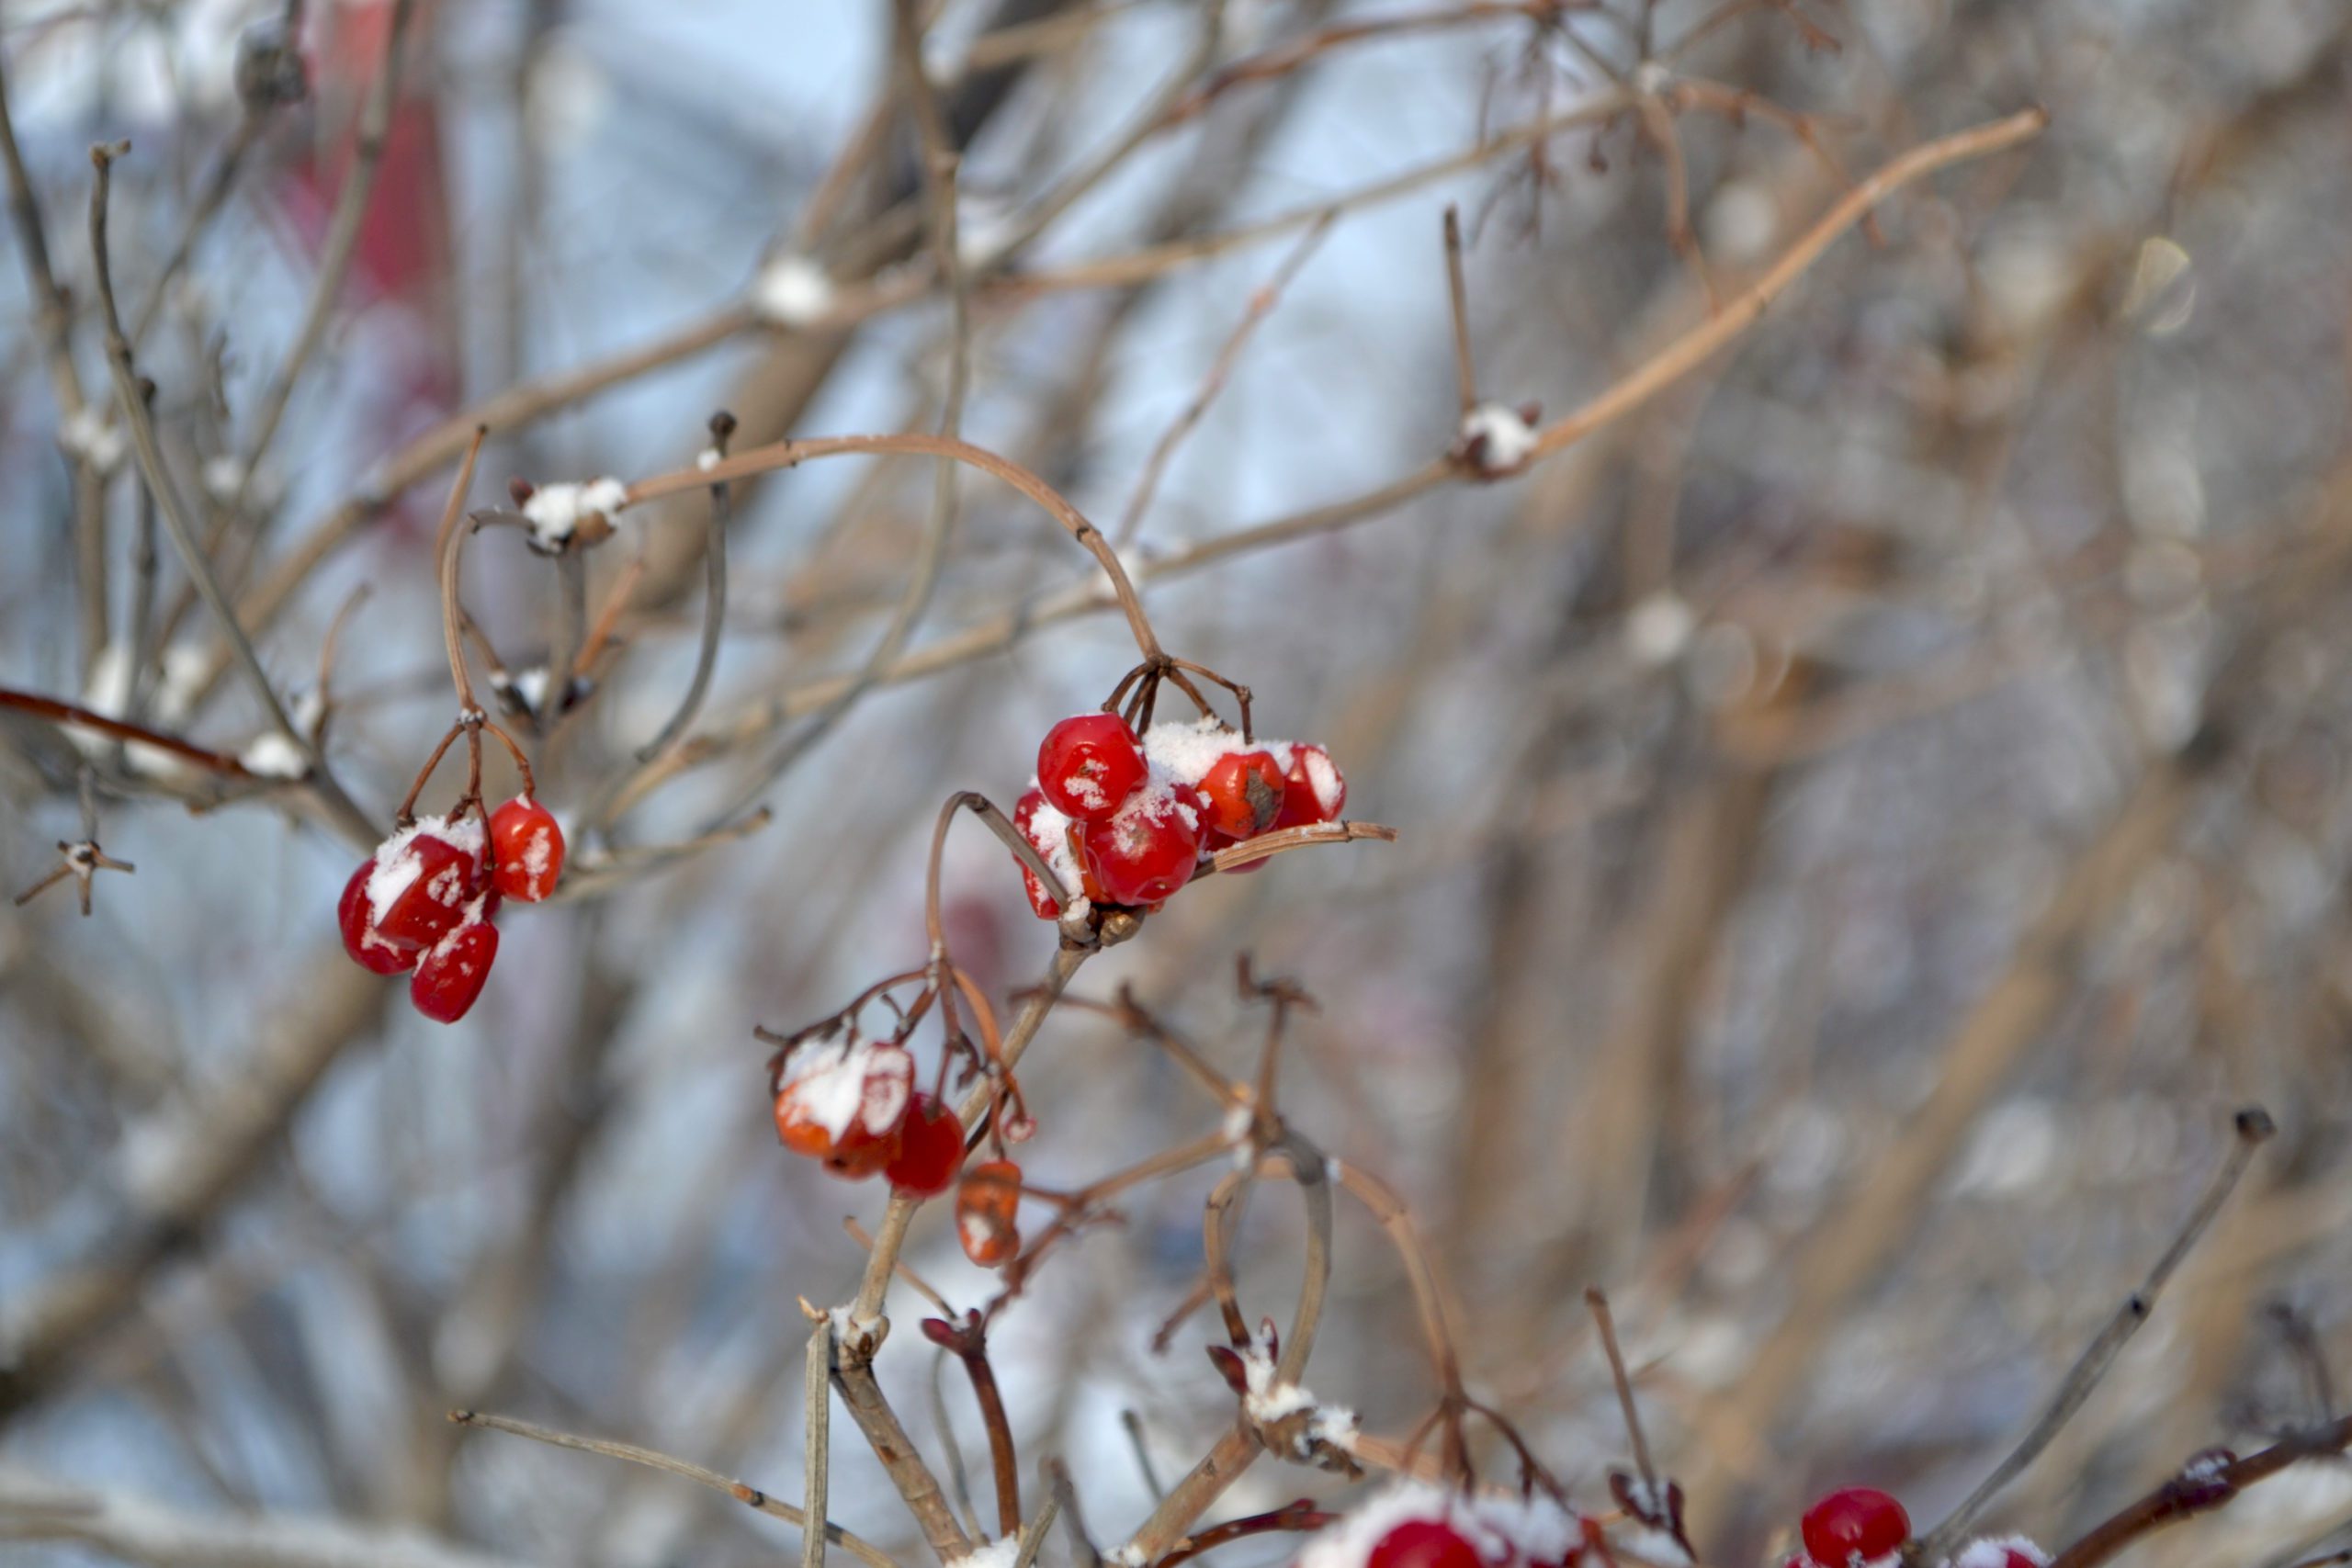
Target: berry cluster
1127 819
426 899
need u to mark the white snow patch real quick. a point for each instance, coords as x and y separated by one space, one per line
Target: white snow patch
555 511
850 1080
1001 1553
1497 438
706 460
792 291
91 437
397 866
272 756
1991 1551
1658 628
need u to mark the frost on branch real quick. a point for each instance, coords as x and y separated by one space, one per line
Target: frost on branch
559 513
1288 1418
1495 441
792 291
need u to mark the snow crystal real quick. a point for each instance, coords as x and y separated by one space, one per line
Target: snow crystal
1991 1553
1267 1398
90 436
706 460
792 291
222 477
1658 628
555 511
272 756
1498 440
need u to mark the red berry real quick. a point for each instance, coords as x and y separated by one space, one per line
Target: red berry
450 977
368 950
1244 792
931 1149
987 1205
527 849
422 882
1088 765
1854 1524
843 1103
1423 1543
1313 790
1148 851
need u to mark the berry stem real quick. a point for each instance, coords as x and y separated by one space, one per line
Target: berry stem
447 543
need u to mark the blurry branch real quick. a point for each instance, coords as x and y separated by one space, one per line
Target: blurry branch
33 1508
70 715
53 328
2254 1128
749 1497
191 1163
2200 1486
335 253
1850 1244
132 403
1678 358
1262 305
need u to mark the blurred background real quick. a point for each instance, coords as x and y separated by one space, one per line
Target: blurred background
1868 815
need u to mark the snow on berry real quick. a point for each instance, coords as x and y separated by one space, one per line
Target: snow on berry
987 1202
527 849
1414 1526
2006 1552
360 938
450 977
844 1098
1244 792
1088 765
1047 831
1150 847
422 879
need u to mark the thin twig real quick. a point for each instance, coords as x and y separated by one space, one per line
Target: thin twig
750 1496
2254 1128
133 404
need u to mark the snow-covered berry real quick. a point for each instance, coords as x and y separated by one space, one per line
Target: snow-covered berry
527 849
931 1149
450 977
1088 765
988 1202
1854 1524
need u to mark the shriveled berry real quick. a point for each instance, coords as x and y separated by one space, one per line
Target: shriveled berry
1854 1524
1088 765
844 1101
367 949
1244 792
931 1149
527 849
1423 1543
452 974
1024 817
1148 850
422 881
1313 790
986 1212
